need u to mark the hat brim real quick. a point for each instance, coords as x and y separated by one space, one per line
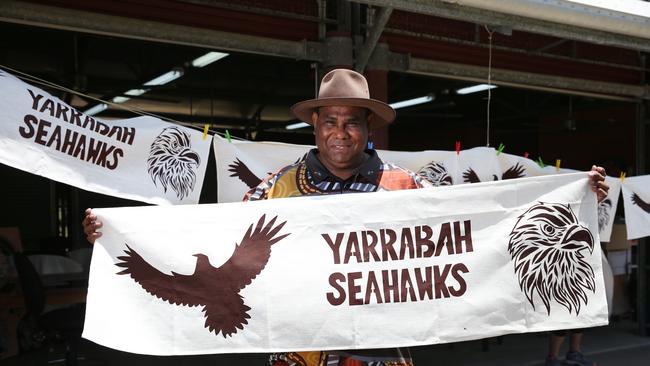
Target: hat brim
384 114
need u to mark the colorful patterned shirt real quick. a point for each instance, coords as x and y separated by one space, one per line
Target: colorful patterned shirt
308 177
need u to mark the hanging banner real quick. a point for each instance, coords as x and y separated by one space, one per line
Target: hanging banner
241 165
476 165
607 208
636 199
357 271
143 159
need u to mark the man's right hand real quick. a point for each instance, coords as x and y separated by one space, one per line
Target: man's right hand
91 225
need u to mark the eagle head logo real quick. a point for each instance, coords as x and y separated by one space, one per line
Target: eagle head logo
436 173
548 246
172 162
215 289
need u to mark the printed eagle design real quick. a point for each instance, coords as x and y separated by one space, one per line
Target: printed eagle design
241 171
546 246
515 171
244 174
216 289
645 206
603 213
436 173
172 162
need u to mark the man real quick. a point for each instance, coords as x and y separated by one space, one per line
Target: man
342 116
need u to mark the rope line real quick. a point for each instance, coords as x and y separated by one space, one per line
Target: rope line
37 80
489 100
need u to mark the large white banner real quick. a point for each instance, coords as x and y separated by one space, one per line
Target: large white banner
636 199
358 271
143 159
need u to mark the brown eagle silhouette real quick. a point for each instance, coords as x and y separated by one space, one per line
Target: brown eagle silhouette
244 174
436 173
216 289
547 246
515 171
645 206
241 171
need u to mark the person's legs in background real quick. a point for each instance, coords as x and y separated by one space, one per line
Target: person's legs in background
555 341
574 356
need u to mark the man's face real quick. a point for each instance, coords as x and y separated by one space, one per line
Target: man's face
341 136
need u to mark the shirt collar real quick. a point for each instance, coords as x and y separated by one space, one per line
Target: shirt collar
370 168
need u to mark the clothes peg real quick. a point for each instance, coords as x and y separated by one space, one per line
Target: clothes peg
370 144
500 148
526 155
540 162
457 147
228 136
557 164
205 131
623 176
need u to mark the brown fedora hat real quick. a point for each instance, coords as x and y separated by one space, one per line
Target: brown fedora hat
343 87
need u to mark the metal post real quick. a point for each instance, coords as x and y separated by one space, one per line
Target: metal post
377 75
642 250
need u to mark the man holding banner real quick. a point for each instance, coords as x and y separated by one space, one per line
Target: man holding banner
342 116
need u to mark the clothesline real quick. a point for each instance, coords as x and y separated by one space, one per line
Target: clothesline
37 80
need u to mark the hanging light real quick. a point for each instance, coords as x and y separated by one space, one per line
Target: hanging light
475 89
412 102
96 109
295 126
208 58
165 78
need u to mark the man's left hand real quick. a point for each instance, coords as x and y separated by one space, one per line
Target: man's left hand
597 182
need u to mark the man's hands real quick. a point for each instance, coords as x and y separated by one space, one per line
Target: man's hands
91 225
597 182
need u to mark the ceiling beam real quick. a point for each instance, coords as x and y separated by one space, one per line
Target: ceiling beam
88 22
380 19
484 16
519 79
81 21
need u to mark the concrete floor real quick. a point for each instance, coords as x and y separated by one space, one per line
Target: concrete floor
616 344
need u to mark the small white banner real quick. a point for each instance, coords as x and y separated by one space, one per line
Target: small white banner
241 165
143 159
375 270
636 200
607 208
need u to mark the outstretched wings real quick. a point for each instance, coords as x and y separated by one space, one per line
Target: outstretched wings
470 176
241 171
515 171
217 289
252 253
174 288
645 206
